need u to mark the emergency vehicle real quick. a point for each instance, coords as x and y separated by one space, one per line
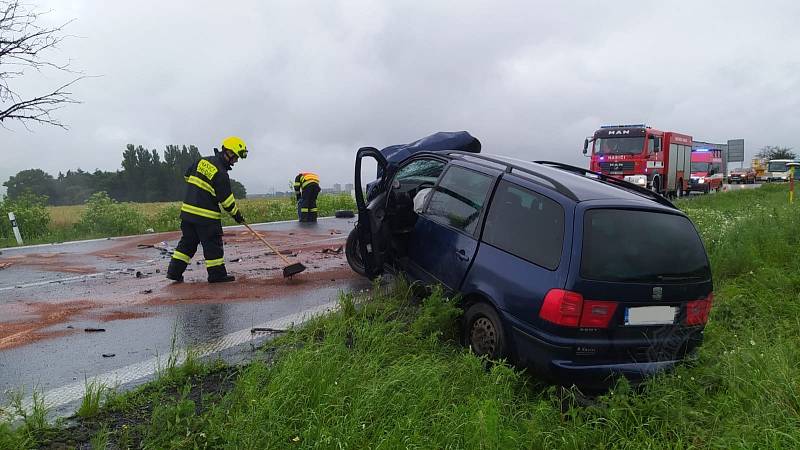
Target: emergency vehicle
707 172
651 158
778 170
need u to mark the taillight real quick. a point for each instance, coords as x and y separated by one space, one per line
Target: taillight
597 314
562 307
697 311
569 309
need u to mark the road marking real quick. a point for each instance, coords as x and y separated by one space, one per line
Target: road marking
75 391
130 269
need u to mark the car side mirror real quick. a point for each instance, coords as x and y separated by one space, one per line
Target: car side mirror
585 145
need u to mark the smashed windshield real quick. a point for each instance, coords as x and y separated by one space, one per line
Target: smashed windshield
619 146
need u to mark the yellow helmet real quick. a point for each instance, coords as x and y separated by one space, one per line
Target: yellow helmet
236 145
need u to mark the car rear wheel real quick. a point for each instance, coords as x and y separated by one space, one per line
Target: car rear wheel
353 255
484 332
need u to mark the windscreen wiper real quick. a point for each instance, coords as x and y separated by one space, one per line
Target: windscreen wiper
679 277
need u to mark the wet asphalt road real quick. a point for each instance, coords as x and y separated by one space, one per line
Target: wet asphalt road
50 294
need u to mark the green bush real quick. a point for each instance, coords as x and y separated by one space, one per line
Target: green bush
167 218
107 217
31 213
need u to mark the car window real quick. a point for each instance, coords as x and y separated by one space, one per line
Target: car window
458 199
421 170
525 224
641 246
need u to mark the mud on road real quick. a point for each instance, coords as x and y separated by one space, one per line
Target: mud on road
125 277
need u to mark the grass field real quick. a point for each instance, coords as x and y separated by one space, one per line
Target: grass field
70 222
384 373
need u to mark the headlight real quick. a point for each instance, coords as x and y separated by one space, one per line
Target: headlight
641 180
701 180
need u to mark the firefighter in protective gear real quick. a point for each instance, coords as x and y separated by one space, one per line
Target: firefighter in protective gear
306 190
208 187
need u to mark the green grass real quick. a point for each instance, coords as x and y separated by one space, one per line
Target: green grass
90 405
383 372
65 221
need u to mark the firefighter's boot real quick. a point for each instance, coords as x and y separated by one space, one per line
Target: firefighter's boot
175 270
218 274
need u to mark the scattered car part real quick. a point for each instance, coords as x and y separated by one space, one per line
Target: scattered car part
291 269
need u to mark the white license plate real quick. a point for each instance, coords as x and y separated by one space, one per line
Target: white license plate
650 315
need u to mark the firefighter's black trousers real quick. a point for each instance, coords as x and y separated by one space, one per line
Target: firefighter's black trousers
210 236
308 203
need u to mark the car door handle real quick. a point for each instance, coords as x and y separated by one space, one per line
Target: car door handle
462 255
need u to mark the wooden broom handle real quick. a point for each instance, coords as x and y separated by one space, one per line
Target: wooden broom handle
267 244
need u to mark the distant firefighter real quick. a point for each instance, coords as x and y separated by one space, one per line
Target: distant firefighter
306 189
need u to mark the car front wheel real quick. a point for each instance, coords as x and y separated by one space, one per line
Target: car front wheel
353 255
484 331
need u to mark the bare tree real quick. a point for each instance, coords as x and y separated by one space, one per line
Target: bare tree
23 45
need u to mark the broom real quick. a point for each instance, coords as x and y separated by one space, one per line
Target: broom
291 268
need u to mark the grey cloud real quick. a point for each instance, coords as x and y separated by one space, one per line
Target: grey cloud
306 83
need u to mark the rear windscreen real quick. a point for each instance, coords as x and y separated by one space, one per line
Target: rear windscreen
641 246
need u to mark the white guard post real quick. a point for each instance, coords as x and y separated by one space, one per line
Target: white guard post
14 225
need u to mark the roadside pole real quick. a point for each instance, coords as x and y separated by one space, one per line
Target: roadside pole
791 181
14 225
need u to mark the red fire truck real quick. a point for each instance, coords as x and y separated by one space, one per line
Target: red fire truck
658 160
707 173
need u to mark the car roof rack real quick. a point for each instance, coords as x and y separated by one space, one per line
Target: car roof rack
611 180
508 167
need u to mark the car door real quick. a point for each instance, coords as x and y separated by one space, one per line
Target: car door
444 240
370 230
523 250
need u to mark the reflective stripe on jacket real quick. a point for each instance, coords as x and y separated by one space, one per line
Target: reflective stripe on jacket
303 179
208 187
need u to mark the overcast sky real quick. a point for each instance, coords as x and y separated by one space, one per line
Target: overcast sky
306 83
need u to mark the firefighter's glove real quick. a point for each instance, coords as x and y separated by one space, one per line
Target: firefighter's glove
238 218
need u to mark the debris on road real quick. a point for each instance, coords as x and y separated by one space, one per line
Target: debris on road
265 330
94 330
146 291
109 355
4 265
333 251
291 268
139 274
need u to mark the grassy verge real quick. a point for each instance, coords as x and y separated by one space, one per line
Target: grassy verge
78 222
384 372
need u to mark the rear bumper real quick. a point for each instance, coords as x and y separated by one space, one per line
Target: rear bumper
557 363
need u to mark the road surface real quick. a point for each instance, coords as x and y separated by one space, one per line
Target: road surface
50 295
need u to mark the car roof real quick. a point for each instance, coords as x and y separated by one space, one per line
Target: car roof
578 184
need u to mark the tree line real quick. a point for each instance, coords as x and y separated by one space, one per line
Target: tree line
146 176
776 152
